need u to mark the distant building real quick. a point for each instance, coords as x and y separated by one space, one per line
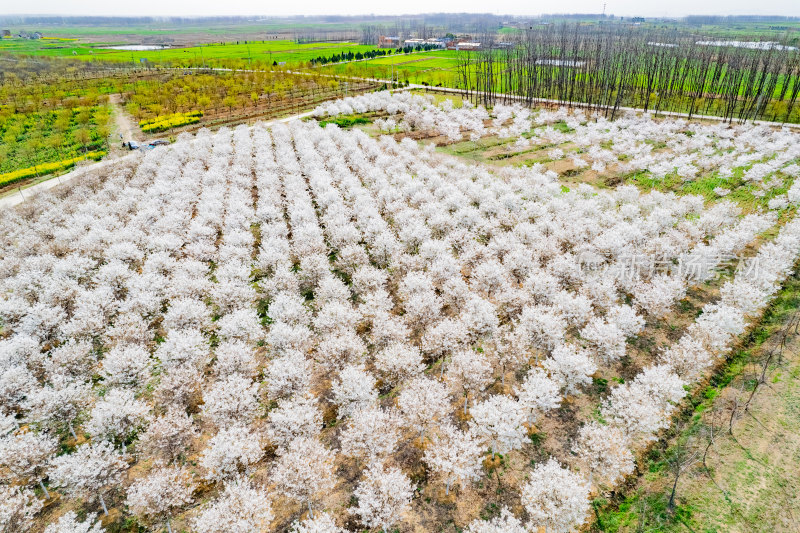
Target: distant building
388 42
30 35
6 33
435 42
463 45
439 43
468 46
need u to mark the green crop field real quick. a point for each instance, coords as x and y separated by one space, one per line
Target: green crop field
433 68
425 60
168 30
38 138
208 54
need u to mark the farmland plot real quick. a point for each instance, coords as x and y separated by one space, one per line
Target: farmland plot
304 328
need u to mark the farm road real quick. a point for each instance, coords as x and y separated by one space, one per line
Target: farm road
125 124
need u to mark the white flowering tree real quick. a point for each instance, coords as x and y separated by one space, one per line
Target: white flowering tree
69 523
398 362
455 455
570 367
304 471
555 498
156 496
499 422
89 470
288 374
230 452
687 357
423 401
167 436
295 417
467 372
322 523
18 508
127 365
384 496
607 338
505 522
353 390
59 404
642 407
242 507
605 452
232 399
538 394
27 455
118 415
371 433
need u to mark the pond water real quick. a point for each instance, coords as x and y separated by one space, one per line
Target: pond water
754 45
560 62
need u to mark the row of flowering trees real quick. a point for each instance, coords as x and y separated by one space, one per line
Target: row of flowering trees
758 157
277 328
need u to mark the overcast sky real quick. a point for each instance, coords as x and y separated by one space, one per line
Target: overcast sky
358 7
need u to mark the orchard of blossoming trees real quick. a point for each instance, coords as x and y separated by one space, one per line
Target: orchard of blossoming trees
309 329
762 159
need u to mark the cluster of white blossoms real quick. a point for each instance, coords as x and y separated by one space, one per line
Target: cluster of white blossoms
758 156
337 299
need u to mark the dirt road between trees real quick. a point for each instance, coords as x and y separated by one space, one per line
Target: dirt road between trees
124 123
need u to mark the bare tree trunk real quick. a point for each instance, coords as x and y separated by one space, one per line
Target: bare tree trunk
671 504
46 494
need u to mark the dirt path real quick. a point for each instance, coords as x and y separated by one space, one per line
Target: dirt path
125 125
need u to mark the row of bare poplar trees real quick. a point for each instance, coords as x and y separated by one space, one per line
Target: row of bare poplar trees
612 66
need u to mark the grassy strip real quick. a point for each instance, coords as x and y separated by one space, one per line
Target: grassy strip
47 168
639 508
345 121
